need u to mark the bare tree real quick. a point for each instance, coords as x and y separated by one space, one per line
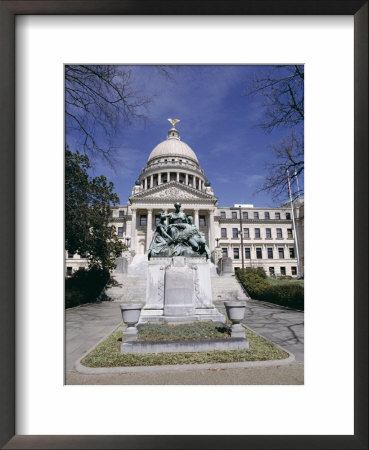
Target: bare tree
282 89
289 156
98 99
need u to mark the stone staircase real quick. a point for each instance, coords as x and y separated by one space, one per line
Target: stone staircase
131 287
127 289
226 288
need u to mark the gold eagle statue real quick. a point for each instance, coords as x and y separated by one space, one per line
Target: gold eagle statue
173 122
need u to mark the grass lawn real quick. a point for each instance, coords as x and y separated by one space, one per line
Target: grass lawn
107 354
188 331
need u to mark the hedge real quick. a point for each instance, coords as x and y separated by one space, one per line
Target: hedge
254 280
84 286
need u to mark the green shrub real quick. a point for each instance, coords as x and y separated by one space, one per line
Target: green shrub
259 288
84 286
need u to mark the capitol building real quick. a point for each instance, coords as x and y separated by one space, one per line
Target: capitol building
173 174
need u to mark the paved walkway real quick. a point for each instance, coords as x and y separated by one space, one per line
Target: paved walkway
282 326
292 374
88 324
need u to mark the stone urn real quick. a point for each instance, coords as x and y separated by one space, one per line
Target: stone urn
131 314
236 313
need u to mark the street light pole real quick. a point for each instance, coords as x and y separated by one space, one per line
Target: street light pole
241 231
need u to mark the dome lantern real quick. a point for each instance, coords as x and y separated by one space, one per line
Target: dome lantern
173 132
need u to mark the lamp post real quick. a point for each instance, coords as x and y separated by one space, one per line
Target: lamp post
242 255
217 239
127 240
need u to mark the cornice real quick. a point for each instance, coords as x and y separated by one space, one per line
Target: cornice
145 194
254 221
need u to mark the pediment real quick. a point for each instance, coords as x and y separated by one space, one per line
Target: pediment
173 191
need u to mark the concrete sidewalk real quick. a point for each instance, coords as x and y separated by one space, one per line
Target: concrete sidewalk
87 324
292 374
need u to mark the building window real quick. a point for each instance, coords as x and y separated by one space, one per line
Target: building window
268 233
288 216
257 232
143 219
258 253
236 253
246 233
247 253
121 213
283 271
222 214
271 271
270 253
256 215
120 231
277 216
70 255
225 252
202 221
266 216
289 233
69 271
279 233
245 215
281 253
292 252
223 232
234 214
234 232
294 270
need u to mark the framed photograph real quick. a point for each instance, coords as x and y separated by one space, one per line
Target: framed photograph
38 39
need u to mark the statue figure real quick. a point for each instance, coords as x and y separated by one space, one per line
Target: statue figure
180 238
196 241
173 122
160 241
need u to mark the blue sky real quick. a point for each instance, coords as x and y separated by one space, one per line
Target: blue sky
218 122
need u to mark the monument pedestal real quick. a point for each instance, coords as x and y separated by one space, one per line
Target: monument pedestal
179 290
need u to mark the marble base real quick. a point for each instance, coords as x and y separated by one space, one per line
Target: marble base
179 290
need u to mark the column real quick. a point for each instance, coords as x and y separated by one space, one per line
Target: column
168 177
133 229
177 177
159 178
149 229
196 217
145 183
212 230
152 181
186 178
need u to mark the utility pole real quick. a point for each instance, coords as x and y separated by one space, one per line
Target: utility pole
241 231
294 226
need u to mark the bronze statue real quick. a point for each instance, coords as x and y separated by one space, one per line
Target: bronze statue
180 238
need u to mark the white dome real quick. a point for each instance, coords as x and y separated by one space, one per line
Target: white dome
173 147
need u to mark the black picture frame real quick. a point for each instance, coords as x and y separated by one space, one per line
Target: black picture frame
8 12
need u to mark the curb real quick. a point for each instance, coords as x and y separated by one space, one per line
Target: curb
180 367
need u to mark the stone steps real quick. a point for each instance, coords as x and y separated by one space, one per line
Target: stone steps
226 288
127 289
133 289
